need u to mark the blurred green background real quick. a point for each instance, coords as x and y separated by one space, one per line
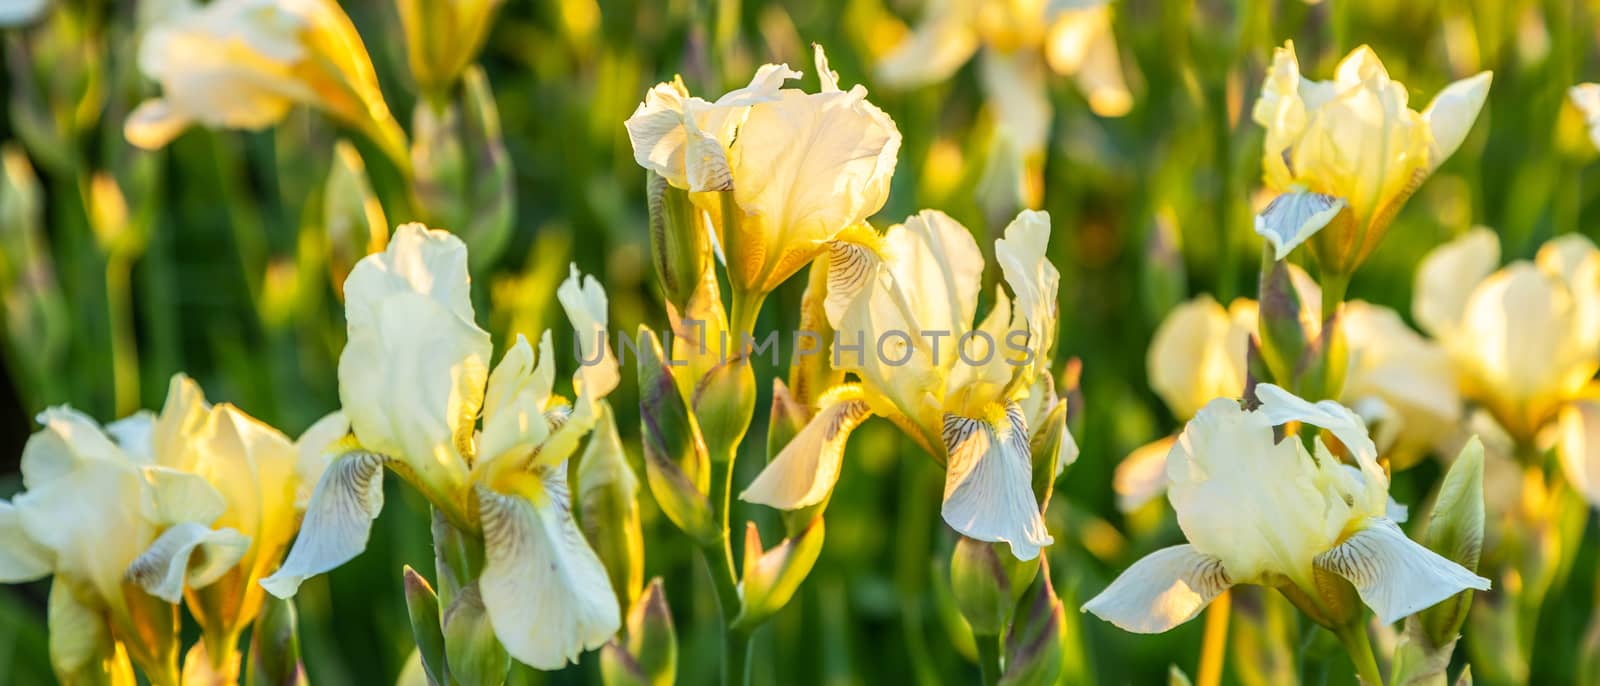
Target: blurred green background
221 269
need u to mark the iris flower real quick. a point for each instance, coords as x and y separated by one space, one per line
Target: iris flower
801 167
414 379
909 297
1259 510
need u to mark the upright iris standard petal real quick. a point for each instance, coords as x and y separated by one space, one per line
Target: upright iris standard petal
337 524
988 492
546 591
806 166
585 303
804 472
1451 113
514 422
412 374
1023 254
1162 590
670 127
1215 477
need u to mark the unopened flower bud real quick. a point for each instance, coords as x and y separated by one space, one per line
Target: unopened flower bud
1033 644
275 645
648 654
472 651
985 586
113 227
680 242
608 506
423 606
771 577
1455 531
1285 329
442 38
725 402
677 464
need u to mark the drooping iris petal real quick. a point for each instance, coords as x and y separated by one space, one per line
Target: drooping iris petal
314 453
186 554
1395 575
1162 590
988 487
546 591
805 471
21 558
337 524
1295 216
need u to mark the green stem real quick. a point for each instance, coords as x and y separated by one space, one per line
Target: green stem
1354 639
718 555
1334 286
735 657
989 658
735 643
124 354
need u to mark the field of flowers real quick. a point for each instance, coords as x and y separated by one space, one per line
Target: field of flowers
787 342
